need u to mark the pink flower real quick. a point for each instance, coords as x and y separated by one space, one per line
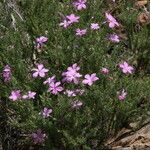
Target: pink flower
72 75
126 68
7 73
73 93
79 91
76 104
25 96
95 26
38 137
46 112
105 71
114 38
80 32
40 41
65 23
30 95
55 88
50 80
15 95
72 18
111 20
90 79
74 67
70 93
122 95
40 71
80 4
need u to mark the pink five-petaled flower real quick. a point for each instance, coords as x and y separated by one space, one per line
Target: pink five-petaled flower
72 18
55 88
111 20
7 73
50 80
46 112
126 68
38 137
29 95
40 71
72 75
76 104
80 4
15 95
81 32
40 41
114 38
105 71
95 26
90 79
64 24
122 95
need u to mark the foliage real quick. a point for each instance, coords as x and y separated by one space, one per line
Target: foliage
102 114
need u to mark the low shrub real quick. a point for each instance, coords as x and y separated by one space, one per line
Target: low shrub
72 73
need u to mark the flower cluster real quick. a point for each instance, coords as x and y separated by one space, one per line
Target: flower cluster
72 74
29 95
73 93
16 95
81 4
